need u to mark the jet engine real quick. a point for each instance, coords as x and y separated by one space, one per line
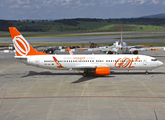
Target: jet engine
135 52
102 71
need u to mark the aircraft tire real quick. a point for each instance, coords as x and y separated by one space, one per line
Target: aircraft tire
85 74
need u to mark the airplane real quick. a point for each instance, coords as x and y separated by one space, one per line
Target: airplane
70 52
99 64
122 48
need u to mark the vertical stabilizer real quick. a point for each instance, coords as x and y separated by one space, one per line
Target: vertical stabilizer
22 47
70 52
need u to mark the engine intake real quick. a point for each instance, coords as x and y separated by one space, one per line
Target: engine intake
109 52
135 52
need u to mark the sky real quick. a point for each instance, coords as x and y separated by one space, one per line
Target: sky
60 9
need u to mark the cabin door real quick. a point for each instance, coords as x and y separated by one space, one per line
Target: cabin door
145 61
37 62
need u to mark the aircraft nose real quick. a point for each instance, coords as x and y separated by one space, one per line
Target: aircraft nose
160 63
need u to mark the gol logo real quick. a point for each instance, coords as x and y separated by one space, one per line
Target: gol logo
126 62
21 45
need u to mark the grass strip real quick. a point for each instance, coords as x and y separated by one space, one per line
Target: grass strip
85 44
45 35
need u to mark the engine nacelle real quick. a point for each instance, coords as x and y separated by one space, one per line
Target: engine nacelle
109 52
135 52
102 71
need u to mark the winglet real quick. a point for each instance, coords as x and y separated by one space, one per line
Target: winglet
22 47
58 64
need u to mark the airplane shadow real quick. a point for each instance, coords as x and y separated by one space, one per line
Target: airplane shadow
33 73
82 79
90 77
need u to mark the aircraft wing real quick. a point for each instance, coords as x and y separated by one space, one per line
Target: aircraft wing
135 46
108 49
147 49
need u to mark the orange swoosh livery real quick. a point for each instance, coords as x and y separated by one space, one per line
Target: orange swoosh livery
22 47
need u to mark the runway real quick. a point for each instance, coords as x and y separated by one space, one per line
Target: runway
96 39
39 94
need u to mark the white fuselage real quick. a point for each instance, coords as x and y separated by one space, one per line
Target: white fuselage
115 62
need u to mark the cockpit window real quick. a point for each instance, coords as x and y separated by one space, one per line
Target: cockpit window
153 59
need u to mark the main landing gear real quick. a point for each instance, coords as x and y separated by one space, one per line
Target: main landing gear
146 72
85 73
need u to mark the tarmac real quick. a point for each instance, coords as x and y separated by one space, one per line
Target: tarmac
30 93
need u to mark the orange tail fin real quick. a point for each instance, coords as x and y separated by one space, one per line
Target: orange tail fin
22 47
71 53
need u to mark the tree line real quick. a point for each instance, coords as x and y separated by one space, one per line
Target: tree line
30 27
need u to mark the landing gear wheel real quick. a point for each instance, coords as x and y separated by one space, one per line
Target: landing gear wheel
146 72
85 73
